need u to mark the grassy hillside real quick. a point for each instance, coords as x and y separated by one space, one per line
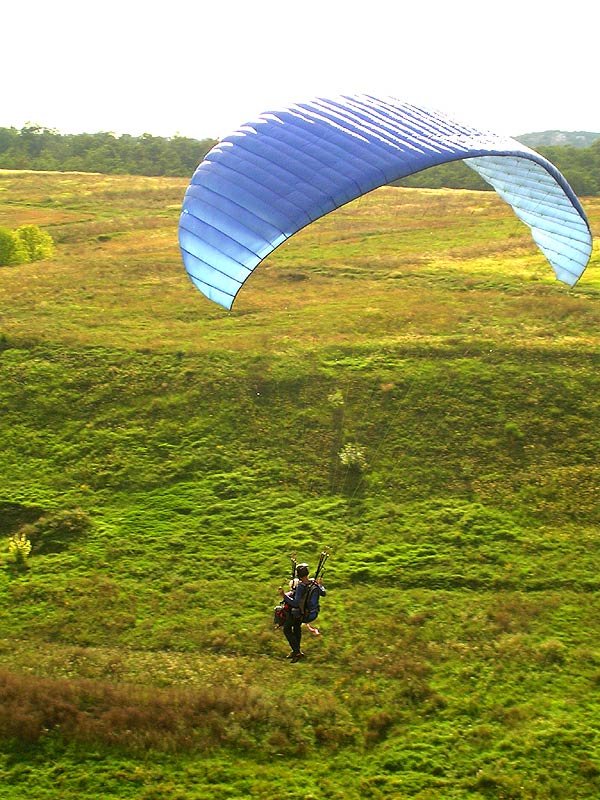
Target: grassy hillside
164 457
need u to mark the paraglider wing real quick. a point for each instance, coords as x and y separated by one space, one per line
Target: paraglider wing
540 196
267 180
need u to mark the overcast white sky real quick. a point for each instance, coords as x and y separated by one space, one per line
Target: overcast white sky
201 70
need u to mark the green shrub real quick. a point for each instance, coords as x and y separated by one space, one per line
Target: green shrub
27 243
53 532
37 243
552 651
19 548
353 457
12 250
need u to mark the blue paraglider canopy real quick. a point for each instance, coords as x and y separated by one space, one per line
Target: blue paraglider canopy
272 177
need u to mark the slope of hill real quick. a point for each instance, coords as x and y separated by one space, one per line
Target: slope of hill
559 138
164 458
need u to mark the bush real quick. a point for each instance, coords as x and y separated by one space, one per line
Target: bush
27 243
353 457
37 243
12 249
53 532
19 548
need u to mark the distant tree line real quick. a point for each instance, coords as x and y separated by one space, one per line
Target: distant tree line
38 148
579 165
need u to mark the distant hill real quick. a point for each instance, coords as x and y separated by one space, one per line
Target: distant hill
558 138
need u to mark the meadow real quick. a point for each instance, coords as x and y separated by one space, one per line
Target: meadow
165 457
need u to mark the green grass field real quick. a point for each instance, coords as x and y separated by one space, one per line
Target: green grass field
165 457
